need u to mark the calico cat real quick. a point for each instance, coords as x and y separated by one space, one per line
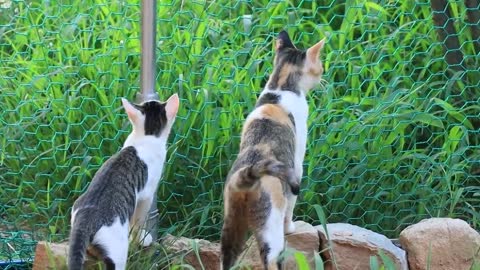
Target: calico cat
121 192
261 187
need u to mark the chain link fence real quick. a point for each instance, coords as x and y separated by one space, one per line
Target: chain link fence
393 137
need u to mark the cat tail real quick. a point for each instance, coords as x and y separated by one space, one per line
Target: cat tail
80 235
248 177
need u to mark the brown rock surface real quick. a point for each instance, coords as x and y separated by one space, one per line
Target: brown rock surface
352 246
208 253
305 239
54 256
450 244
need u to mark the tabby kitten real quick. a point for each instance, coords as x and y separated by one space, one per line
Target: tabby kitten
262 185
121 192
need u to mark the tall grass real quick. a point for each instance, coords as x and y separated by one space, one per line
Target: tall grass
393 136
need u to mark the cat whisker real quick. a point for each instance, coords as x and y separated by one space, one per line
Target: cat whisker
322 84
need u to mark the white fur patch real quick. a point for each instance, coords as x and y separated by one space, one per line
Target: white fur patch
146 238
308 81
72 219
152 151
273 234
114 239
290 227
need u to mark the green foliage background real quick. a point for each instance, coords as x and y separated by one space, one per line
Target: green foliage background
393 138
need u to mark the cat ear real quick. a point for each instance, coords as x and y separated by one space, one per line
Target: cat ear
171 108
283 41
131 111
314 52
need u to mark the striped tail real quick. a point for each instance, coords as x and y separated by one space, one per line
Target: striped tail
249 177
79 240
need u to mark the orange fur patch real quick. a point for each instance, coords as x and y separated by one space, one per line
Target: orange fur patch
284 72
277 114
273 186
270 111
316 72
237 203
236 199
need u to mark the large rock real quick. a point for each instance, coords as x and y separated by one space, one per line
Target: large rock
50 256
444 243
352 246
54 256
208 253
305 239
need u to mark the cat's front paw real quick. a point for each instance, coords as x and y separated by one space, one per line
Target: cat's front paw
289 227
145 238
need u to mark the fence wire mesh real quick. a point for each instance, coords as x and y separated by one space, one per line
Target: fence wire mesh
393 136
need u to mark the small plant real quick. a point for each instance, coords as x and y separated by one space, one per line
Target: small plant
387 263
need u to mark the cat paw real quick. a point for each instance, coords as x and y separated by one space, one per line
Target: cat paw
146 238
290 227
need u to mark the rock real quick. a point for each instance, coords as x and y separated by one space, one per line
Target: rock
250 256
208 253
352 246
450 244
54 256
305 239
50 256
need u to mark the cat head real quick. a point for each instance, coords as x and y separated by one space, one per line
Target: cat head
152 118
295 70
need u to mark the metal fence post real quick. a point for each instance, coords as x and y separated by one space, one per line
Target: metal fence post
147 81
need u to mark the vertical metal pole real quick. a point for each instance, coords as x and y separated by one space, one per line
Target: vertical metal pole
148 37
147 81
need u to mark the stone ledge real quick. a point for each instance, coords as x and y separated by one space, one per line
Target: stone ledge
351 246
53 256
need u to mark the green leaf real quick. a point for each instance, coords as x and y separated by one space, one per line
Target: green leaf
318 261
374 263
375 6
454 138
387 261
422 117
320 214
301 260
453 112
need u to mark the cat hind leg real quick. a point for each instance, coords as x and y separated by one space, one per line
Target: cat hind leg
271 240
138 223
113 241
288 222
